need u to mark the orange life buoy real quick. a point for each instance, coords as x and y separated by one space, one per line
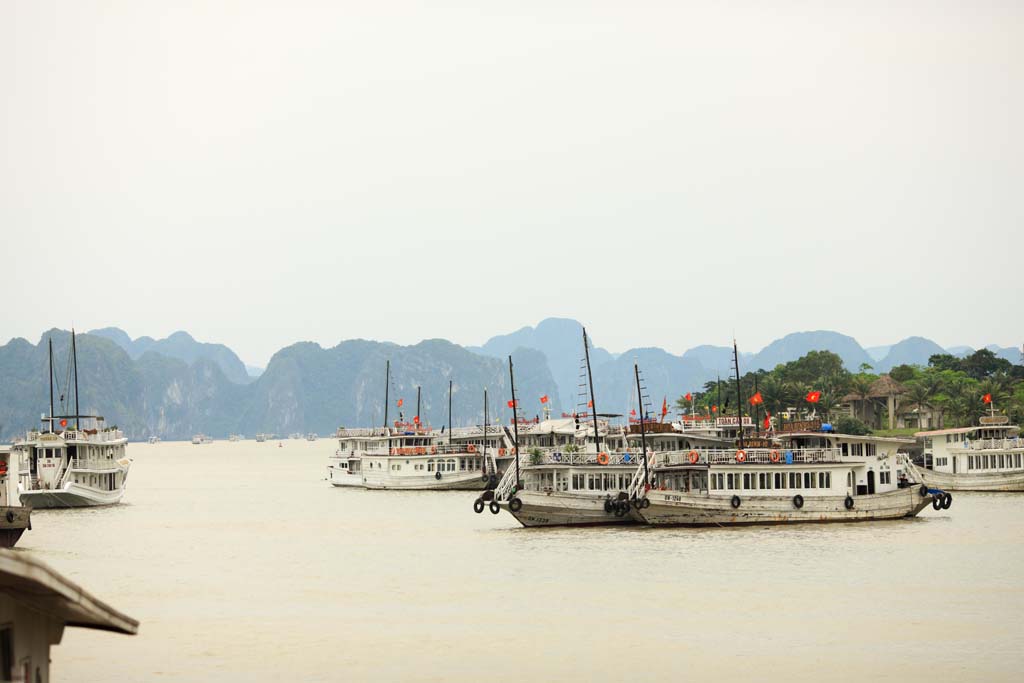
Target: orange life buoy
501 452
694 457
471 448
602 458
775 456
420 450
741 455
433 450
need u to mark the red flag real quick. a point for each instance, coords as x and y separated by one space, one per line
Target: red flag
400 402
63 423
714 409
633 412
511 404
756 399
416 419
664 406
813 396
544 398
689 396
590 404
987 398
767 421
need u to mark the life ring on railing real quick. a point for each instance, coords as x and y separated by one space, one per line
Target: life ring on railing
420 450
694 457
470 448
433 450
602 458
741 455
774 456
501 452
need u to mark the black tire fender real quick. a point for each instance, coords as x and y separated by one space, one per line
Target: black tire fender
947 500
848 502
437 475
495 508
478 505
609 506
937 502
798 501
645 503
736 502
924 491
515 505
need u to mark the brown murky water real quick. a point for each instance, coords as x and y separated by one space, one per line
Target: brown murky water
243 564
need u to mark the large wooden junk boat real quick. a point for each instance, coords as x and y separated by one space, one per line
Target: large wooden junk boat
15 518
808 473
988 457
72 465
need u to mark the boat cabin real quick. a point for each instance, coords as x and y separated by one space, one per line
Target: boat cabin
994 445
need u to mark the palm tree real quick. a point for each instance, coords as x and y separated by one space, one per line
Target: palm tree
860 387
919 394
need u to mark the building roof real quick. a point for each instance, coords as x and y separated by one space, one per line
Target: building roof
886 386
944 432
39 587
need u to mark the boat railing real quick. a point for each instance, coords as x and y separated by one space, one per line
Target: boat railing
760 456
558 456
507 484
993 444
439 450
637 486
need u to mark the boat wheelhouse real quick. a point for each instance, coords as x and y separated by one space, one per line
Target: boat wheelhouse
987 457
802 476
14 517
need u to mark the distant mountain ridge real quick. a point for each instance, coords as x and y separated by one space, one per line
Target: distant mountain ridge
182 346
177 386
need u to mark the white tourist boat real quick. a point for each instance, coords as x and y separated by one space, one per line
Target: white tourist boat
77 461
811 475
261 437
15 518
988 457
154 440
418 458
312 436
201 440
235 438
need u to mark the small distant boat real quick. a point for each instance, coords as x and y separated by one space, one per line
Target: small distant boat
201 440
295 435
312 436
261 437
234 438
154 439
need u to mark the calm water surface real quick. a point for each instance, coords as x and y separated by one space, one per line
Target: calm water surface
242 563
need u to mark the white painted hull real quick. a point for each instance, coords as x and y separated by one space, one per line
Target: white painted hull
343 478
566 509
672 508
449 481
1011 481
71 496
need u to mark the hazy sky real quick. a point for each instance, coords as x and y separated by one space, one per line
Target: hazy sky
668 173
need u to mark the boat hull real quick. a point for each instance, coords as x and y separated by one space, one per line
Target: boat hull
565 509
453 481
1012 481
14 521
343 478
71 496
670 508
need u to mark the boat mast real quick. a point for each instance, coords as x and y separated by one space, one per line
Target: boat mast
515 416
593 402
74 358
485 430
51 384
418 420
449 412
387 386
643 433
757 410
739 392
